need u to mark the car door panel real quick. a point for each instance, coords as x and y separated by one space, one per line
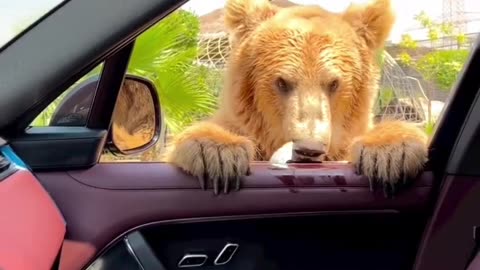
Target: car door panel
450 240
32 228
453 224
164 176
292 242
109 200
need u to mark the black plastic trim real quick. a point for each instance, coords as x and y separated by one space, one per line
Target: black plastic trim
4 164
7 168
48 148
116 258
466 154
56 263
143 252
108 88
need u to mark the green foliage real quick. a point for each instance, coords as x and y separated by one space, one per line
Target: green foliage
380 58
405 59
407 42
440 67
446 28
424 19
386 96
461 39
214 78
433 34
165 53
429 128
443 67
434 29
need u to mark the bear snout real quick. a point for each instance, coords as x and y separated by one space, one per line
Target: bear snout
305 150
308 150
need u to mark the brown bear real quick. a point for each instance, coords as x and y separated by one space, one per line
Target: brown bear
307 76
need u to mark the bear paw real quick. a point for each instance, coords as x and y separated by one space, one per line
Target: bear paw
215 157
391 157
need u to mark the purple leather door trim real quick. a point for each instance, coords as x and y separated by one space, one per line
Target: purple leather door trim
162 176
107 200
448 241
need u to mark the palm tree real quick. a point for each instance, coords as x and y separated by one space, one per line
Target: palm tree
166 54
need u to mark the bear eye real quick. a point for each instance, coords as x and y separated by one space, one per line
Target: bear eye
333 85
283 86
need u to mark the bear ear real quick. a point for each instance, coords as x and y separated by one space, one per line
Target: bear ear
243 16
373 21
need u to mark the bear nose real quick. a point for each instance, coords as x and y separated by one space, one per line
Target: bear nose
309 152
308 149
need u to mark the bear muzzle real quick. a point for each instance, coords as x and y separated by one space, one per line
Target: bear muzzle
308 150
299 151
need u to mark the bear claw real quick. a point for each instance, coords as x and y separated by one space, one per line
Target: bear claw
215 165
391 166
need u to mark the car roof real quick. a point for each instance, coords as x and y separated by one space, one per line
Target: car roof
51 54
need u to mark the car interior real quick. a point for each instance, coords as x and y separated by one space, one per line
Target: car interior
63 209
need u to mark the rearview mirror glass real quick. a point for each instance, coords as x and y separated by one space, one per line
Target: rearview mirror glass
135 118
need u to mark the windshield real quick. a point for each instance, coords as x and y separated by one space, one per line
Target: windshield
18 15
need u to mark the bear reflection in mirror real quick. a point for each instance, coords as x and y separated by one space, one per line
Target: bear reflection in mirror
134 116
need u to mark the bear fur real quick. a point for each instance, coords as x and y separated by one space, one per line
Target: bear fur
304 74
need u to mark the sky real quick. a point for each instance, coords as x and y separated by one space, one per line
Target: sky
20 12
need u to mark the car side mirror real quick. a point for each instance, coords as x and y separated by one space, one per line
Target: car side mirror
137 118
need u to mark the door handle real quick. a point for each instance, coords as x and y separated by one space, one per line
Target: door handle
192 260
226 254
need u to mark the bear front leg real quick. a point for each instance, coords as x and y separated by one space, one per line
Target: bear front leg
392 153
213 155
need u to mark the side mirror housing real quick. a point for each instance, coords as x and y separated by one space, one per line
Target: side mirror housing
137 120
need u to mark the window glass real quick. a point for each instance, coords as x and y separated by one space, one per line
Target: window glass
71 108
185 56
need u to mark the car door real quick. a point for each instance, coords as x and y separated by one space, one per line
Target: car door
151 215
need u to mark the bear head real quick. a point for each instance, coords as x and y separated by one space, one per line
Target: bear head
303 74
